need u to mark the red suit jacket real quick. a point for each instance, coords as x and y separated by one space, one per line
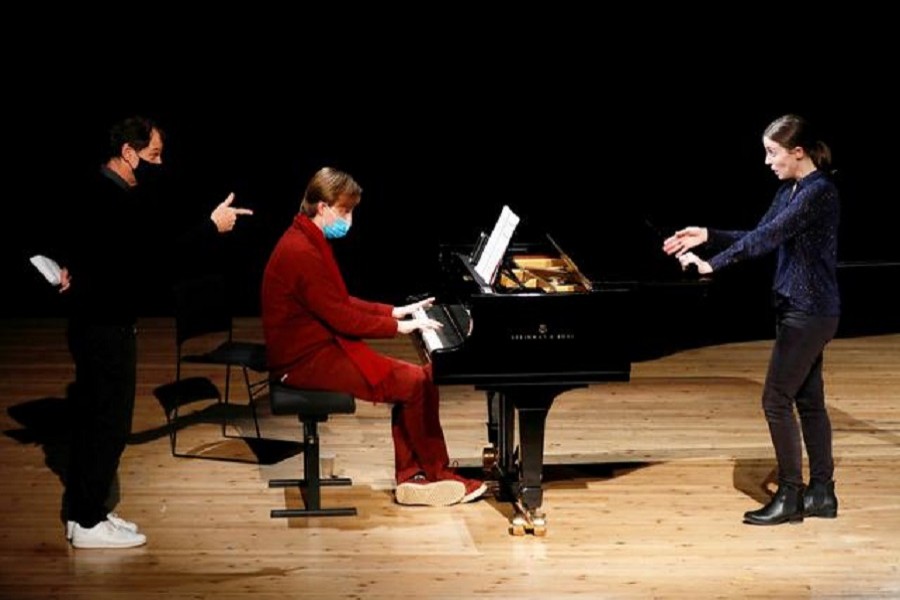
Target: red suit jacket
306 308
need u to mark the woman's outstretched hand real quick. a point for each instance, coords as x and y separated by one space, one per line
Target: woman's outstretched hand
685 239
689 258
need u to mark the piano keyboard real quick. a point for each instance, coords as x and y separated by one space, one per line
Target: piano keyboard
454 318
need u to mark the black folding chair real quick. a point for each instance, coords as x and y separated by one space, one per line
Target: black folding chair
203 320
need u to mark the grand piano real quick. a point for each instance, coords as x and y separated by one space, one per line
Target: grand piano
538 329
542 327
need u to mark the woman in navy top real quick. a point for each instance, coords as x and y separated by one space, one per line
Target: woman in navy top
801 225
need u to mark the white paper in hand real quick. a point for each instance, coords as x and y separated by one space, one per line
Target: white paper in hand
48 268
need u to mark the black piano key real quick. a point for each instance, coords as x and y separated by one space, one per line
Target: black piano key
447 315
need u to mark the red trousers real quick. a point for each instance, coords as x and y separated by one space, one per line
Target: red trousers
419 443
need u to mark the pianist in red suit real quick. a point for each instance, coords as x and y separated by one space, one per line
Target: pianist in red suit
314 331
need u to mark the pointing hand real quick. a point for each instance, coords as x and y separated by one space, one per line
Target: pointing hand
225 216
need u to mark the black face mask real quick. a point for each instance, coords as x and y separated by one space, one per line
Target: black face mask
146 172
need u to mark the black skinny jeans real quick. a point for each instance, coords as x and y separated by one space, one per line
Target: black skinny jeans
795 378
105 372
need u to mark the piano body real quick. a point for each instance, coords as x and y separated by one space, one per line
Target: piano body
540 330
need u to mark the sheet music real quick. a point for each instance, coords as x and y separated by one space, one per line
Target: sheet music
496 245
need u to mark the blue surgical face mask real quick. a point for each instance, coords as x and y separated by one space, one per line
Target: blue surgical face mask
337 228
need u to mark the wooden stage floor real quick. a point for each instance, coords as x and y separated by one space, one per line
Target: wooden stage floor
645 486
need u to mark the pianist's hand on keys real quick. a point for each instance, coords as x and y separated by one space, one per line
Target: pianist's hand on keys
420 321
401 312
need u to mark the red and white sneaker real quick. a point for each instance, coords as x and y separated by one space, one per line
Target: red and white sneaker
420 491
475 488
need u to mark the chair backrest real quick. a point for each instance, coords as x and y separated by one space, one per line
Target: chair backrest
201 307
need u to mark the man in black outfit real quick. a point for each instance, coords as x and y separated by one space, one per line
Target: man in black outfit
109 233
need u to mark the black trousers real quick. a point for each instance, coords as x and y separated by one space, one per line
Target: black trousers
103 405
794 379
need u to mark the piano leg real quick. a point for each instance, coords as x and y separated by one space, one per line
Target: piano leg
501 436
521 473
533 411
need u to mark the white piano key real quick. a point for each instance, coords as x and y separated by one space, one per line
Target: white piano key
429 336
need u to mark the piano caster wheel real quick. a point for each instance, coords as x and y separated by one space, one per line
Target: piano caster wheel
517 526
539 525
489 460
527 521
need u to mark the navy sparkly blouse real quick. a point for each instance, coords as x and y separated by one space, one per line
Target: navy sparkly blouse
802 224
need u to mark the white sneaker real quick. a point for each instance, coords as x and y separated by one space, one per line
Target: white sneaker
121 523
106 535
112 518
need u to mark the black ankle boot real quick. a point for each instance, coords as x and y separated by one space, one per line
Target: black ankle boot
819 500
785 506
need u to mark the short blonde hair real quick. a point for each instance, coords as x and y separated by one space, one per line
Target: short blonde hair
329 185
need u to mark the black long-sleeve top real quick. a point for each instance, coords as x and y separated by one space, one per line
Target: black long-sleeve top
802 225
117 243
102 249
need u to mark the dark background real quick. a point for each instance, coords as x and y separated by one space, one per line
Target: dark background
585 130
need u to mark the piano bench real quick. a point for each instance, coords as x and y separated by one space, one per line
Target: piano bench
311 407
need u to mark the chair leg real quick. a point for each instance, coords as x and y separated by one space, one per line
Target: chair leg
225 401
252 393
173 433
172 421
173 418
310 485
